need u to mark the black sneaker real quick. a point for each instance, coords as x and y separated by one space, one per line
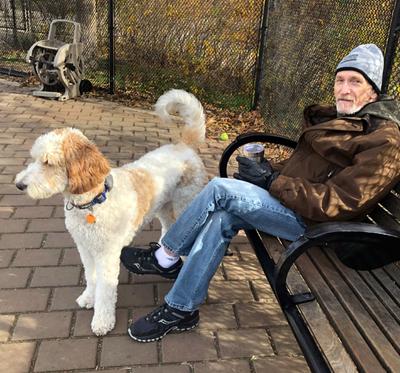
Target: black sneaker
161 321
143 262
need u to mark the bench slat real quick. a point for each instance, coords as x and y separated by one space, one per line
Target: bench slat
381 217
385 320
340 320
393 270
314 316
392 203
326 337
382 285
273 245
357 312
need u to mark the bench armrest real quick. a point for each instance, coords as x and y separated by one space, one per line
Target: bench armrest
342 231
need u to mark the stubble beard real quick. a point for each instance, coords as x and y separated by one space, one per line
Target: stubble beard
354 109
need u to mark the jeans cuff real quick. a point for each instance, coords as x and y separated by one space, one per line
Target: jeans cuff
169 248
180 307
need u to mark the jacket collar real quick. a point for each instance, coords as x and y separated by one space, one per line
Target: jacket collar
385 108
326 117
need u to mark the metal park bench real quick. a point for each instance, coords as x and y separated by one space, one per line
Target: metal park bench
339 284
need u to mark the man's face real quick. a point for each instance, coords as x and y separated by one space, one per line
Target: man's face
352 92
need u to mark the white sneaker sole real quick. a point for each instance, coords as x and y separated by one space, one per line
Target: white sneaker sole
174 329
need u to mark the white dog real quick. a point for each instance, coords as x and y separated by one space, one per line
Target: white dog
104 207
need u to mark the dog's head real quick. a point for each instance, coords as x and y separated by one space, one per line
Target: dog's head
64 160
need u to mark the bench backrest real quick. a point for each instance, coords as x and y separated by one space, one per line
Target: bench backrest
387 212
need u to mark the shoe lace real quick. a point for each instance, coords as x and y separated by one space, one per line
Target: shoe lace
157 313
144 254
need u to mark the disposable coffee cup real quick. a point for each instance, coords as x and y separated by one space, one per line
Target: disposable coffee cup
254 151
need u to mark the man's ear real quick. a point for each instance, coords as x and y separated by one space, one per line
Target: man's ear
373 96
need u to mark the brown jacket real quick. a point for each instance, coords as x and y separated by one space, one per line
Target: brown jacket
341 167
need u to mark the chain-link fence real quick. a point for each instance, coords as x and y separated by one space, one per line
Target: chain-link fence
305 42
394 81
211 48
23 22
392 71
205 46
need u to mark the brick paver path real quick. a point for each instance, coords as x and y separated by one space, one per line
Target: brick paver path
242 329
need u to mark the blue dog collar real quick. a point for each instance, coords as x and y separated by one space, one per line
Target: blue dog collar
100 198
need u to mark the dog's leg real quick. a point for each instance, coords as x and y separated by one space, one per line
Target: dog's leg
107 267
167 217
86 299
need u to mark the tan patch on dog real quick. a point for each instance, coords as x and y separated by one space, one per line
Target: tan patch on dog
192 136
171 213
168 211
59 131
143 185
188 174
86 166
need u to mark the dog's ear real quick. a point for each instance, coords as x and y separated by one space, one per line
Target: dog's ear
86 166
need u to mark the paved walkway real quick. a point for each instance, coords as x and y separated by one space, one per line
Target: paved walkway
242 329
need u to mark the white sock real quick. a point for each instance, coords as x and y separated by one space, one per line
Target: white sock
165 260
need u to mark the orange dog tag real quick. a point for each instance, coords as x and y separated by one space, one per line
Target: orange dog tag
90 218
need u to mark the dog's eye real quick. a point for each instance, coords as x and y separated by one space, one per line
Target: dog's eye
45 163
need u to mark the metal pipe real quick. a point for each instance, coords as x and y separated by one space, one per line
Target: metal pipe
13 72
111 49
262 36
14 17
390 50
24 20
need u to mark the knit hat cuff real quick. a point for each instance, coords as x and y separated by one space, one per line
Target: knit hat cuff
374 86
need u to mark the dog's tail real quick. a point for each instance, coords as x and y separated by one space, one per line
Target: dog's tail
187 106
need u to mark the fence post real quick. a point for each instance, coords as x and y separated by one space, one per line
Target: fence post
111 46
262 36
14 25
390 50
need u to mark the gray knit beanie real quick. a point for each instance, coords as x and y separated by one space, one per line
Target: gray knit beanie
367 59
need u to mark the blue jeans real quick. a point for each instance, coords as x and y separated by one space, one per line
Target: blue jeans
205 229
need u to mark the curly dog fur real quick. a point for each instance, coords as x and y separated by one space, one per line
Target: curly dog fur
160 184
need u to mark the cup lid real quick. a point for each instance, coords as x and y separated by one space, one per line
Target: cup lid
253 148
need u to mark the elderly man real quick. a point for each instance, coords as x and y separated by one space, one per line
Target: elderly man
346 160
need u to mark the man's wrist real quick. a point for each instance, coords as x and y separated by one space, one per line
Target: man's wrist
270 179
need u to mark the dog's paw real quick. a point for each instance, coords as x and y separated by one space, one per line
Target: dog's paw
102 324
85 300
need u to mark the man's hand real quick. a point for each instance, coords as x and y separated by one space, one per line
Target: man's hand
257 173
